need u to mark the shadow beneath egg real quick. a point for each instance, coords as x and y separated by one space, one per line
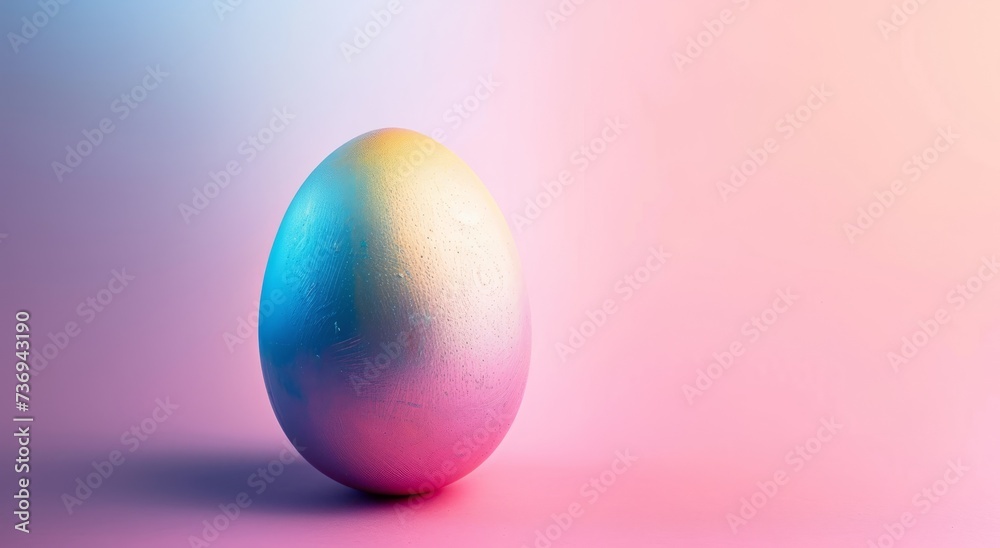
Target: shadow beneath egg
211 480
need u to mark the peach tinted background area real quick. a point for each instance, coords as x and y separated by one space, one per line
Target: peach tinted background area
804 432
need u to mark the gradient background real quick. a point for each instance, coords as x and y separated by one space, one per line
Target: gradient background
655 185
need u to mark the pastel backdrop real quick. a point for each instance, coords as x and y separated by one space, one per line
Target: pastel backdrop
828 102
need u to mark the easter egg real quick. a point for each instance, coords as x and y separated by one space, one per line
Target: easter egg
394 325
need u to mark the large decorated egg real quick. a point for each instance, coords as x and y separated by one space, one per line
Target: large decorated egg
396 337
